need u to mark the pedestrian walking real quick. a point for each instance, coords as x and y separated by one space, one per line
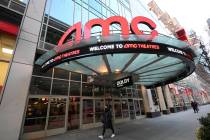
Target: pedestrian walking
194 105
106 119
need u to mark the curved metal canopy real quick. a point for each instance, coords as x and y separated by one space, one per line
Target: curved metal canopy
151 63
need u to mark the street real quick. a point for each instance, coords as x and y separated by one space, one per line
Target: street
177 126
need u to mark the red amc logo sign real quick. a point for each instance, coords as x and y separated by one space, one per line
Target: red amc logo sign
125 28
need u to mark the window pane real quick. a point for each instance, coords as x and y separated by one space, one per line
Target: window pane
84 78
87 111
4 2
98 90
129 92
84 16
73 113
37 71
137 107
78 13
116 92
142 107
62 11
60 87
36 114
7 42
154 97
75 88
75 76
57 113
94 4
60 73
123 93
87 89
40 86
99 109
117 109
17 7
53 35
114 5
124 104
3 72
136 93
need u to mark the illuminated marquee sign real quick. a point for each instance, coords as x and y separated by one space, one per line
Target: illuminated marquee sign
130 41
126 81
77 53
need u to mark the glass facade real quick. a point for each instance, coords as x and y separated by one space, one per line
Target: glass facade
61 98
69 93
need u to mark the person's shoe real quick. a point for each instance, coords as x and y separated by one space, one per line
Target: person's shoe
113 135
101 137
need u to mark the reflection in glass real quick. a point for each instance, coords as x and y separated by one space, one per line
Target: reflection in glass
117 109
57 113
73 113
123 93
137 107
62 11
154 96
99 109
84 78
60 73
53 35
125 109
75 76
136 93
37 71
87 89
40 86
129 92
36 114
116 92
94 4
75 88
87 111
98 90
18 7
60 87
4 2
142 107
77 13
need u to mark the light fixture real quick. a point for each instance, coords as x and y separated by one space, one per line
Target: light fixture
6 50
117 70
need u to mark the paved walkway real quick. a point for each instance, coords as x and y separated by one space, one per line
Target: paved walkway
176 126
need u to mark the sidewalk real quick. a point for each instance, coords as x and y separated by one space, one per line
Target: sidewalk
176 126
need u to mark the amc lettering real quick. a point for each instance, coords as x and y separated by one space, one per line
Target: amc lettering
77 28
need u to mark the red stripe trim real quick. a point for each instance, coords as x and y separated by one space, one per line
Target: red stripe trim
9 28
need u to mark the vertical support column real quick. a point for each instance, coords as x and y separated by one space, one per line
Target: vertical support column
150 109
168 99
17 84
162 101
145 99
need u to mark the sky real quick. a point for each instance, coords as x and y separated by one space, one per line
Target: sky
191 14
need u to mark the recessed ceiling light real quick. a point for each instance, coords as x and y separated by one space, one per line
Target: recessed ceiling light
6 50
117 70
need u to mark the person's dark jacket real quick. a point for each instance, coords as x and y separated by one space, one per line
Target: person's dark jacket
107 118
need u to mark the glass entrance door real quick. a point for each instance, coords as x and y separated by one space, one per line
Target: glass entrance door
74 113
57 113
131 109
88 111
137 107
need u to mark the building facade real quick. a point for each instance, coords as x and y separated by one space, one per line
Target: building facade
37 104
